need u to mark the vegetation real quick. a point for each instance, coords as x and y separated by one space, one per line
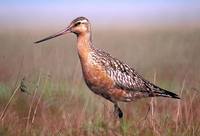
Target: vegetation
58 102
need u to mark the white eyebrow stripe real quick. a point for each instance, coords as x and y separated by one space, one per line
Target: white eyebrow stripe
83 21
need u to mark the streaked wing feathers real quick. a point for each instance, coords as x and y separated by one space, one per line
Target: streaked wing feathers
124 76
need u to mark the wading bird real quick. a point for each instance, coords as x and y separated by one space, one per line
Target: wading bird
105 75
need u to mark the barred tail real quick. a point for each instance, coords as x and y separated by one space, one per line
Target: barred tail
164 93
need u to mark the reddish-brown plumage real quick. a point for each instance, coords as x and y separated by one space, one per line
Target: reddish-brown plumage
96 76
108 76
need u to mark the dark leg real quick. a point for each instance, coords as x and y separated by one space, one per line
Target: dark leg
117 111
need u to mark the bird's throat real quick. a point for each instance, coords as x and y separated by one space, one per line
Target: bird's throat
84 46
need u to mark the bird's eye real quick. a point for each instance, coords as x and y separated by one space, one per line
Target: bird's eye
78 23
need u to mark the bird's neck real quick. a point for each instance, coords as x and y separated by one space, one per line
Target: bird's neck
84 45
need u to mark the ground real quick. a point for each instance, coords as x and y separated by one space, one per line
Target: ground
60 103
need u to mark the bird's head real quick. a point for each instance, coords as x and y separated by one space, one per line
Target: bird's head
79 26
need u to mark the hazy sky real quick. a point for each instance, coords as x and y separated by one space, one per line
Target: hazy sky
43 12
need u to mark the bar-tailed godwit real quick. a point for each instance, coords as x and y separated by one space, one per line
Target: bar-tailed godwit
106 75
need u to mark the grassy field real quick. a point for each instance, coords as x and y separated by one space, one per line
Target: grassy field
58 102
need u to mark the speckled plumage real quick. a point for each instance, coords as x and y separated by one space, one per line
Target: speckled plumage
126 78
106 75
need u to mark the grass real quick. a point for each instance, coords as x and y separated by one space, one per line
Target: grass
60 104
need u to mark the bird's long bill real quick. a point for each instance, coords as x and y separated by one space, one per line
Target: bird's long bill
67 30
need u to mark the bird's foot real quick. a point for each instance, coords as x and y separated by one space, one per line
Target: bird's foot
117 111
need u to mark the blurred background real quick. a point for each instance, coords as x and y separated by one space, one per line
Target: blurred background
145 12
159 38
150 35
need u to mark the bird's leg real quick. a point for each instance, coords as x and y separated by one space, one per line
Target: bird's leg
117 111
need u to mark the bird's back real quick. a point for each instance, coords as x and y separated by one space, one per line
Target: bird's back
125 79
